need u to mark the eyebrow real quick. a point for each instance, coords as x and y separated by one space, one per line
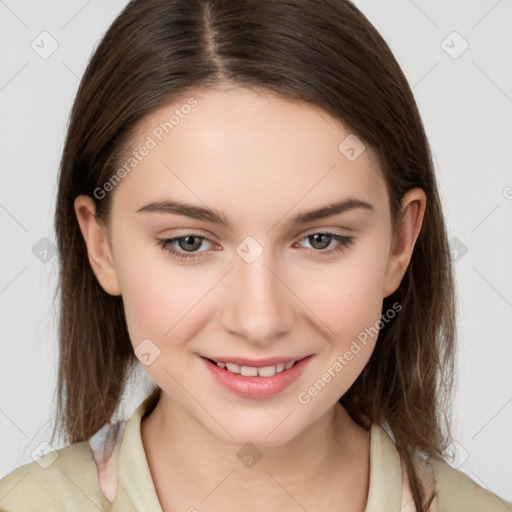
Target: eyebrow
216 217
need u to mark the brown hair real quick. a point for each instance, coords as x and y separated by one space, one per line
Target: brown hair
323 52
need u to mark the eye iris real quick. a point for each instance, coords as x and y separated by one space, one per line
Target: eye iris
188 240
316 239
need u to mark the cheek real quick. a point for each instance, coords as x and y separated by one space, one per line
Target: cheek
347 296
157 294
349 303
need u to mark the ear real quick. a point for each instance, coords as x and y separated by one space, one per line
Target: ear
407 229
98 248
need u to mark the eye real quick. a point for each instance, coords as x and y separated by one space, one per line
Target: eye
188 243
186 247
320 241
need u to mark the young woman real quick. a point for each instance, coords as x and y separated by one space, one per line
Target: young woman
247 208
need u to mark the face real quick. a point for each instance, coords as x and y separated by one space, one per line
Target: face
255 282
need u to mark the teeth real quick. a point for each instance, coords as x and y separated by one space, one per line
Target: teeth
267 371
251 371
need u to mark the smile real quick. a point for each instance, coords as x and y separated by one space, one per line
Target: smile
253 371
256 379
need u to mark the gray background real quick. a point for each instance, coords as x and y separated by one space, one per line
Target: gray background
465 98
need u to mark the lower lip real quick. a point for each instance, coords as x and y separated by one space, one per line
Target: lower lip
257 387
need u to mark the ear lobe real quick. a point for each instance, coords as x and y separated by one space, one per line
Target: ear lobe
407 229
98 249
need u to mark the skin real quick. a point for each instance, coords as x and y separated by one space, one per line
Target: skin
259 159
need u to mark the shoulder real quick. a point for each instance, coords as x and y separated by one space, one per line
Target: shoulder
54 482
456 492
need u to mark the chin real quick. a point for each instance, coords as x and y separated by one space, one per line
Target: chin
262 428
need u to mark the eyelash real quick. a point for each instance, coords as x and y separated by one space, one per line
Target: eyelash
343 243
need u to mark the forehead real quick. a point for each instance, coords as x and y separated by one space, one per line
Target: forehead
221 144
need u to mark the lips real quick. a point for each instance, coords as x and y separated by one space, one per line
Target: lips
252 384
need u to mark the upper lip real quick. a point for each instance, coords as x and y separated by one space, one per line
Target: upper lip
256 363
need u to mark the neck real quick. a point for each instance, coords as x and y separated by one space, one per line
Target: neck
333 451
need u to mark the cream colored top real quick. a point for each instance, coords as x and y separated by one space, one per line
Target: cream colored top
110 473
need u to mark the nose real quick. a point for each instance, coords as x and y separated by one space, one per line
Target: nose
257 304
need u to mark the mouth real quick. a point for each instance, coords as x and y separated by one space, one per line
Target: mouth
255 371
254 379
